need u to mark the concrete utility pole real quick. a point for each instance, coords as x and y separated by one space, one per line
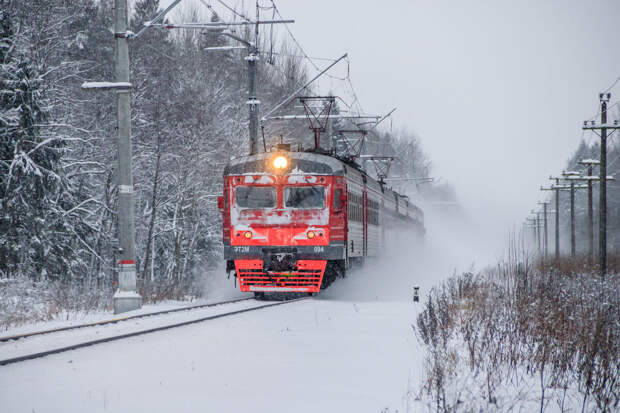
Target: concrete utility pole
603 187
572 220
590 219
572 211
571 187
589 179
253 102
252 58
532 222
557 223
557 216
126 297
603 127
537 232
545 233
589 163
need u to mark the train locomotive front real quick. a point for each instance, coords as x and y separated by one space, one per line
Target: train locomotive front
284 220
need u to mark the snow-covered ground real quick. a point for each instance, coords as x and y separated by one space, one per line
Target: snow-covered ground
78 318
350 349
39 343
309 356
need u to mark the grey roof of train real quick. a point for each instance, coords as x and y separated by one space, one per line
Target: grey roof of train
335 165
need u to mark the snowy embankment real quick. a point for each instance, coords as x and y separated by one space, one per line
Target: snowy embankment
310 356
27 306
516 338
56 340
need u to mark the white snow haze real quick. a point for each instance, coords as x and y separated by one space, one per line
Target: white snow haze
496 90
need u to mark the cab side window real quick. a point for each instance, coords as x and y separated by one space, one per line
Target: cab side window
337 199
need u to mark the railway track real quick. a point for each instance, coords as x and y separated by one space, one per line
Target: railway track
168 326
117 320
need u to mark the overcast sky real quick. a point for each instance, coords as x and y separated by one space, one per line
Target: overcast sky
496 90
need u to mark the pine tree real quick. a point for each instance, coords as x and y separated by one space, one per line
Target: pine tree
30 184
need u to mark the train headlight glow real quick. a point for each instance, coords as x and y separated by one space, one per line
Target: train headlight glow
310 234
247 234
280 162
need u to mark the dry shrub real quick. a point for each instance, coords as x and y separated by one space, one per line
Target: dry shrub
170 289
581 264
23 300
513 323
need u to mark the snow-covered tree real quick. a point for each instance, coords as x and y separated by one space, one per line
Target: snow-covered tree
30 180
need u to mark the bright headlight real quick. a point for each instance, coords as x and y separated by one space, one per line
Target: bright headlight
280 162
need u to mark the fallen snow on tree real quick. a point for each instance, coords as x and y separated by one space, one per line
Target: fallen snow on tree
106 85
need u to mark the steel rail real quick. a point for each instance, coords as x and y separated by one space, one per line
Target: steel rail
137 333
116 320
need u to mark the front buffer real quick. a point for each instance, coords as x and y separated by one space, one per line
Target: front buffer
280 274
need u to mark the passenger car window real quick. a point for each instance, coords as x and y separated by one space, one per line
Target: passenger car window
256 197
304 197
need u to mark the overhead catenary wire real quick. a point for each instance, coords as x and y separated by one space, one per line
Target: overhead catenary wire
294 39
327 59
236 13
354 106
612 85
316 67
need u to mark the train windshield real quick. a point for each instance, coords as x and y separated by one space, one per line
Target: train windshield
255 197
304 197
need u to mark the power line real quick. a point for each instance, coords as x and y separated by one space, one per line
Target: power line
356 101
305 55
234 11
327 59
294 39
609 107
598 111
612 162
612 85
316 67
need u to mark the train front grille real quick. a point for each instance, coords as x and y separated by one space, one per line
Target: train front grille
306 277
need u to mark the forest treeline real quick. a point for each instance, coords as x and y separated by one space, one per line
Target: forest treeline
58 154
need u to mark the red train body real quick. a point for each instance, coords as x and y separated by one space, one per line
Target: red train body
294 221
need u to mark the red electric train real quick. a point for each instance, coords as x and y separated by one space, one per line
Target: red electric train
294 221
